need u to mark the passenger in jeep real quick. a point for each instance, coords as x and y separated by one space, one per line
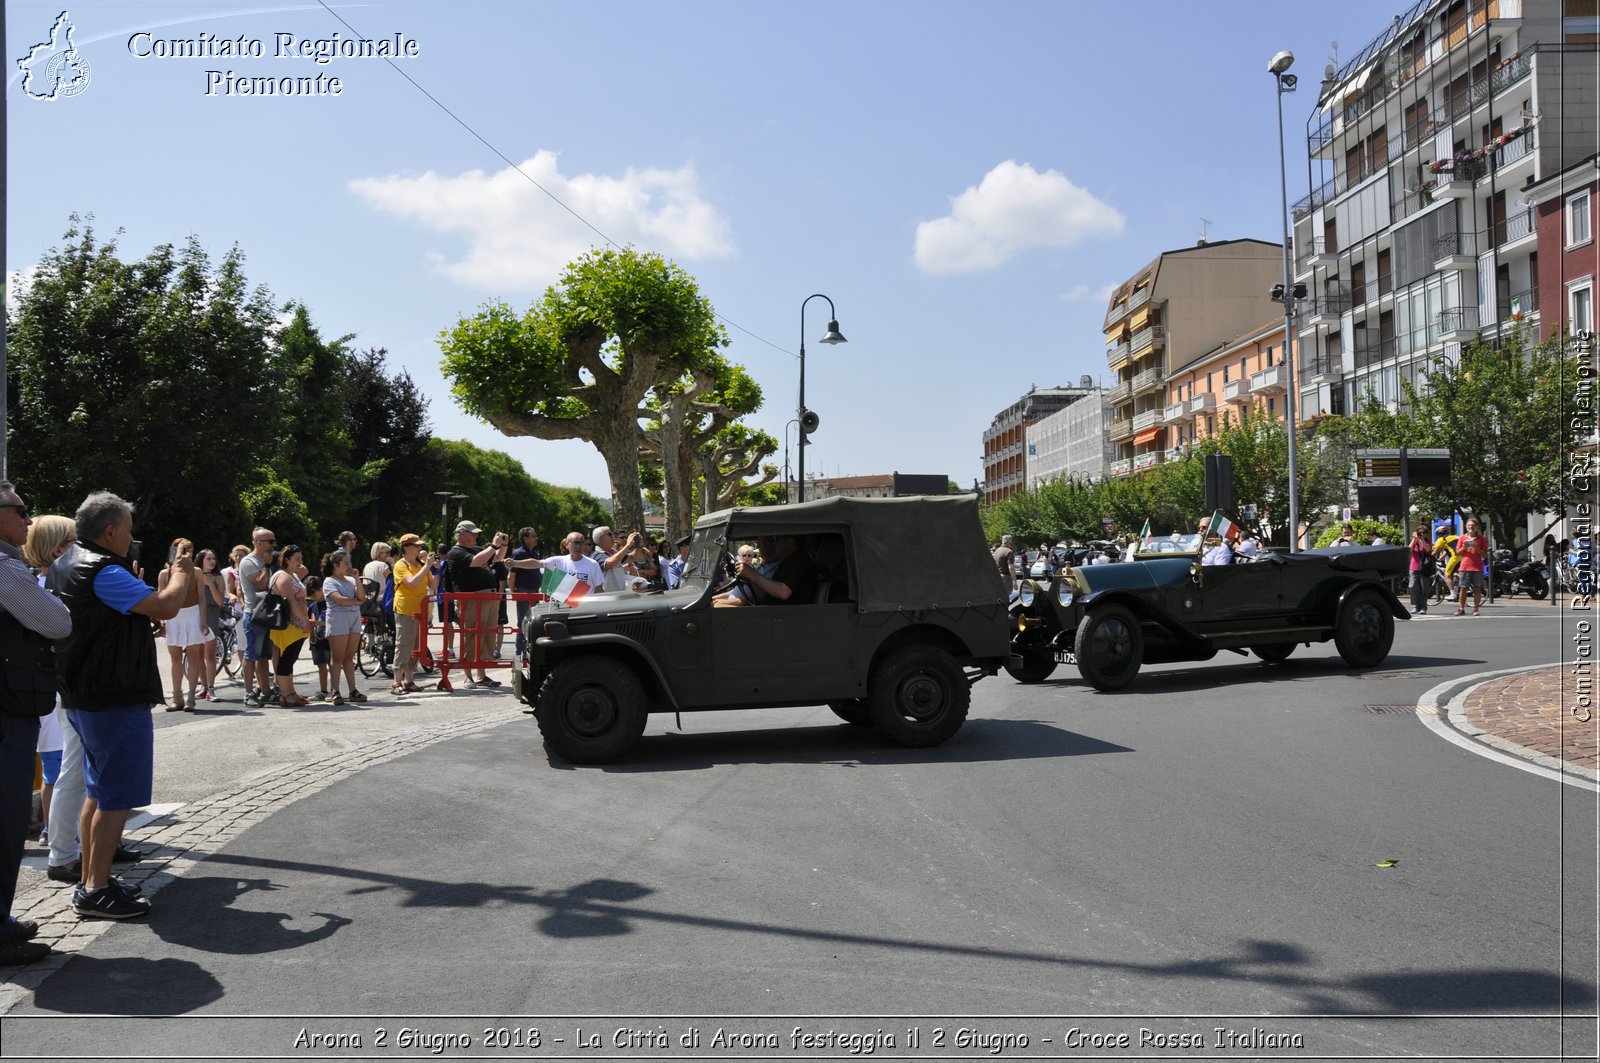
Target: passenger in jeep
787 576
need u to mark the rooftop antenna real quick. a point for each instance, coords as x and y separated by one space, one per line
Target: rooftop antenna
1205 229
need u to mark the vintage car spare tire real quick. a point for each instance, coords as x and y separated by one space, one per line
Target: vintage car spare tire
591 709
1364 631
851 710
1273 651
918 696
1109 647
1031 665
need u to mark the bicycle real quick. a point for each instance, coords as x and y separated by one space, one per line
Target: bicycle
228 645
375 651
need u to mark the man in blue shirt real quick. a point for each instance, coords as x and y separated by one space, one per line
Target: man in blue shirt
108 677
676 565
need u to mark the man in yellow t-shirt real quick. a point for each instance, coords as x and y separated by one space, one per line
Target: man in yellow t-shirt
414 580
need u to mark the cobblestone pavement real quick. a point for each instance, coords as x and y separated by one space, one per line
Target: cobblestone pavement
1542 714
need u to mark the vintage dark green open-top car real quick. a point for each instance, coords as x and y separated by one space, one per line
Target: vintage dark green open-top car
1166 606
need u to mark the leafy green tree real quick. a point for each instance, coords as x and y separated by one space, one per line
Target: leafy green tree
684 420
579 363
386 420
1504 417
727 459
154 379
501 496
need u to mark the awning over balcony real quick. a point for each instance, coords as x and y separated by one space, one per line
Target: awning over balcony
1139 319
1141 438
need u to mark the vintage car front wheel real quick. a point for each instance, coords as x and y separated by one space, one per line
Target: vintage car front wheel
591 709
1365 630
1109 647
1031 666
851 710
1273 652
918 696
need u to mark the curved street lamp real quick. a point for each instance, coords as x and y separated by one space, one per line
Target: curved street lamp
808 420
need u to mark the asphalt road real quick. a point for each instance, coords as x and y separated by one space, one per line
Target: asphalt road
1196 853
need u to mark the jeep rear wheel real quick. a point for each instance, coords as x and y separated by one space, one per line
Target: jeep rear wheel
1109 647
1365 630
918 696
591 709
852 710
1031 666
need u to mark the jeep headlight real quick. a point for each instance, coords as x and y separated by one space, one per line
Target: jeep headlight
1025 592
1064 593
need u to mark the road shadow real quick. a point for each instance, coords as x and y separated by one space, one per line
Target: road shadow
613 907
88 985
231 930
849 746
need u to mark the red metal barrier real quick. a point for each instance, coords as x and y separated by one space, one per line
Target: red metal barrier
482 632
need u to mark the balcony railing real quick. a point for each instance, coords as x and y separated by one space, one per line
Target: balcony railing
1120 429
1458 249
1512 229
1525 302
1515 147
1268 380
1206 403
1117 313
1121 468
1236 390
1326 364
1456 321
1372 290
1370 350
1150 378
1316 198
1325 307
1175 412
1146 338
1316 252
1139 298
1148 419
1141 462
1121 393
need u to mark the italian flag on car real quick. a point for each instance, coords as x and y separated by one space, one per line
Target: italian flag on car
1221 526
561 586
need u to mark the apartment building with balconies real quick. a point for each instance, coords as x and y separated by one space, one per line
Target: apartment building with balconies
1005 441
1425 151
1248 373
1167 316
1565 204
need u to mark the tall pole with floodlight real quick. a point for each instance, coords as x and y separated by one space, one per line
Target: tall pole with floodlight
1279 68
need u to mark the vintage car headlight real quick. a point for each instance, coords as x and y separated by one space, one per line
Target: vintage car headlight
1064 593
1025 592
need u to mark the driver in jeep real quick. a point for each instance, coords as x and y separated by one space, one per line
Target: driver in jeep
786 576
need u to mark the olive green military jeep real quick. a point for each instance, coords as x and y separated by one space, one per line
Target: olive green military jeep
904 610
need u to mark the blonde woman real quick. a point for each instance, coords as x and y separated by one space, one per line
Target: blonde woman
188 638
50 536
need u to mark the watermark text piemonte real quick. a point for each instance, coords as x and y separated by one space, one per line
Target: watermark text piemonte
319 51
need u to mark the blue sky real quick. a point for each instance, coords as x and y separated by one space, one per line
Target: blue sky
963 180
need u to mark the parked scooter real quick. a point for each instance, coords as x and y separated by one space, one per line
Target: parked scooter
1513 575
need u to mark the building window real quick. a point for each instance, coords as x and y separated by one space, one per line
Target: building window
1243 372
1580 229
1225 376
1580 307
1268 364
1272 406
1211 426
1208 383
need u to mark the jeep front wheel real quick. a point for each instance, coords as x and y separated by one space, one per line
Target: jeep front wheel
591 709
918 696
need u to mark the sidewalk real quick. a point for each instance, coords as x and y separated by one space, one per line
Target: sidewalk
1545 714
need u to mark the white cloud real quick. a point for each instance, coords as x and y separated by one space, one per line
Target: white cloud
519 238
1013 209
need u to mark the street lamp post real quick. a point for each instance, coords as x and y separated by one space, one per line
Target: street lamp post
1279 68
808 420
461 502
444 514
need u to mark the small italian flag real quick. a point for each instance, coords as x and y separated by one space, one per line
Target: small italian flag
563 587
1144 533
1221 526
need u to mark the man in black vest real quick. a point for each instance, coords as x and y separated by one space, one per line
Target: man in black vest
31 618
108 678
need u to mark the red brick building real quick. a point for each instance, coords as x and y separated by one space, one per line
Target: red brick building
1569 248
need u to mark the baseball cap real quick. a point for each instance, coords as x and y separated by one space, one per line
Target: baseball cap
468 527
408 538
